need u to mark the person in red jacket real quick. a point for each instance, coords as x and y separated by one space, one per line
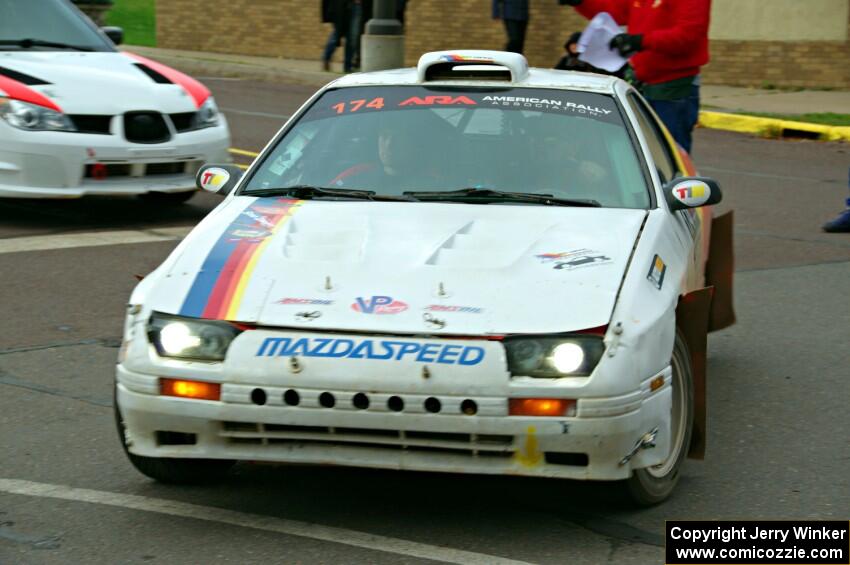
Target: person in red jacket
666 43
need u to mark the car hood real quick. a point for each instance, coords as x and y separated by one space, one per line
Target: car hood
442 268
96 83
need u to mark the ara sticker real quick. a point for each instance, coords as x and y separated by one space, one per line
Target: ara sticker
656 272
692 193
438 101
214 178
378 305
575 259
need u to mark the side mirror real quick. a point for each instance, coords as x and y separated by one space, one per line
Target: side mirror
692 192
116 34
218 179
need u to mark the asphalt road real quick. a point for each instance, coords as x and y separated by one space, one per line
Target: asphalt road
778 384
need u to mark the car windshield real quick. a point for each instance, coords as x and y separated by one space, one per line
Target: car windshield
31 24
407 139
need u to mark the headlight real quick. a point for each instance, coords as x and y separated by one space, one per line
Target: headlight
573 356
33 117
207 115
190 338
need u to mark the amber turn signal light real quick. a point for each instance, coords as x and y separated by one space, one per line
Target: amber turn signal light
198 390
542 407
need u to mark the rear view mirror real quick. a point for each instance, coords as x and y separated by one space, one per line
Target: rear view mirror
114 33
218 179
692 192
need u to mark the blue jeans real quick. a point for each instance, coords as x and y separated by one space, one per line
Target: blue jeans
680 116
352 39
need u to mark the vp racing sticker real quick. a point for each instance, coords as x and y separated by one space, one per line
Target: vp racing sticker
378 305
375 349
575 259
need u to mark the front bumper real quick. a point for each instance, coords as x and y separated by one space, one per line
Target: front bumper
47 164
590 445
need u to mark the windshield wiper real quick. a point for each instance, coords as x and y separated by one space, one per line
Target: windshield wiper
306 192
472 194
29 43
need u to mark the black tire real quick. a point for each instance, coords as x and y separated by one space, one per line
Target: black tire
167 197
652 485
171 470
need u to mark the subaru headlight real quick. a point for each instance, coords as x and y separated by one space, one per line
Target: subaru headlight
207 115
190 338
33 117
552 357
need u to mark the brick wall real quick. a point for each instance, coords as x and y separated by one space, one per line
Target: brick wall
275 28
292 29
809 64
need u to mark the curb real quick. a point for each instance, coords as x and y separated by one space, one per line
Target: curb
772 127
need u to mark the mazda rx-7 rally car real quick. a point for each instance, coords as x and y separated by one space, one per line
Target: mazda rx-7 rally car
78 117
470 267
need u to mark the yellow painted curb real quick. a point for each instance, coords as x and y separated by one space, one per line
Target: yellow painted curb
770 127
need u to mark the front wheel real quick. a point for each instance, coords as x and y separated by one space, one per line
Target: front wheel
167 197
651 485
173 470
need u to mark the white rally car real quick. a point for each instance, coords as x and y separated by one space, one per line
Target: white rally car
471 266
78 117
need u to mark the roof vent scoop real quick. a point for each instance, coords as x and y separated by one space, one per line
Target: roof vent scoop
472 65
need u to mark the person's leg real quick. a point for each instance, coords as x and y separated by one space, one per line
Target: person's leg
512 31
841 224
692 112
330 47
675 115
521 27
352 43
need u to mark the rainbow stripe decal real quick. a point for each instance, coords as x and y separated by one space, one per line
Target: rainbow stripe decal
219 287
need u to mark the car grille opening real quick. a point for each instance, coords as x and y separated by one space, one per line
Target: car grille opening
177 168
105 171
492 445
145 127
91 123
175 438
101 171
560 458
184 121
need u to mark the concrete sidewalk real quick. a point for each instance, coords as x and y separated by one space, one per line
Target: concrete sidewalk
718 100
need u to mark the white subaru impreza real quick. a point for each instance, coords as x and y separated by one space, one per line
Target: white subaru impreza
78 117
471 266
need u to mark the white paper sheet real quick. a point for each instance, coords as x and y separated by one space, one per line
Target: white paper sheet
593 45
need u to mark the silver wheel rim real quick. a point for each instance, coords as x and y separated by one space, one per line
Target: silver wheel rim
678 423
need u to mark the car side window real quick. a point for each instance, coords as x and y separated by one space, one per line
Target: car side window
658 146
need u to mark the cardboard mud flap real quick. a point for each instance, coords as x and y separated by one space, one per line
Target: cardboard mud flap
719 272
692 319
